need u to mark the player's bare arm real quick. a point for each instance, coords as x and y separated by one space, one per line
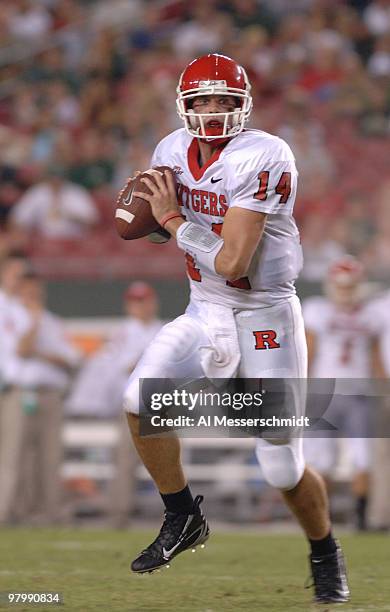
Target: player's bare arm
241 233
26 346
311 346
377 365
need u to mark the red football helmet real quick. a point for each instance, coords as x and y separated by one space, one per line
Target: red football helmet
346 271
214 74
344 281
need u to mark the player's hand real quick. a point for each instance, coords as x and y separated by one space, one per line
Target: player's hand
163 199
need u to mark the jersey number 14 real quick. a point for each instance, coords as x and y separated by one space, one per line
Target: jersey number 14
283 188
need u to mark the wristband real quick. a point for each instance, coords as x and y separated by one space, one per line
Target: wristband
168 217
200 242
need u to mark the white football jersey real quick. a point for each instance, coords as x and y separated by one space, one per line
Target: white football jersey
99 385
14 322
256 171
343 339
379 310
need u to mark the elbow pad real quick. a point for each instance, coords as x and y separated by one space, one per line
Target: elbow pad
202 243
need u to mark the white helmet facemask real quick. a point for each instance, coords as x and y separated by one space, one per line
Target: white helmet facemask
233 122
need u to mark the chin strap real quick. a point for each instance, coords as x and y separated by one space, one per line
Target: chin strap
216 141
203 244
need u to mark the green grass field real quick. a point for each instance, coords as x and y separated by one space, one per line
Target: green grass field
236 571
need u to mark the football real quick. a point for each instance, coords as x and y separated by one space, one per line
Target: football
133 215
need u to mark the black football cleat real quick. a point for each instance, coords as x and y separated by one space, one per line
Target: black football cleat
178 533
330 578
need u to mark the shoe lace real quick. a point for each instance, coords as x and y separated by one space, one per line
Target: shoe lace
323 574
169 533
170 530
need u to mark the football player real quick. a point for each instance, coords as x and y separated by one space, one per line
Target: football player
342 343
232 218
380 478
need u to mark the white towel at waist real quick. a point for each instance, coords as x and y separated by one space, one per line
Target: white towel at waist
220 358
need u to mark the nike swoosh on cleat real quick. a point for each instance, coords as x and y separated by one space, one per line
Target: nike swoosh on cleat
213 180
168 553
202 529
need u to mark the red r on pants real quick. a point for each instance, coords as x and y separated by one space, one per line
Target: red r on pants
265 339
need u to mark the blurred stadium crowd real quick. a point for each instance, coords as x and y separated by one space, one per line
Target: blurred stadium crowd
87 88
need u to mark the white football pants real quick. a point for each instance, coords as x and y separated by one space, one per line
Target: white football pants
272 345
